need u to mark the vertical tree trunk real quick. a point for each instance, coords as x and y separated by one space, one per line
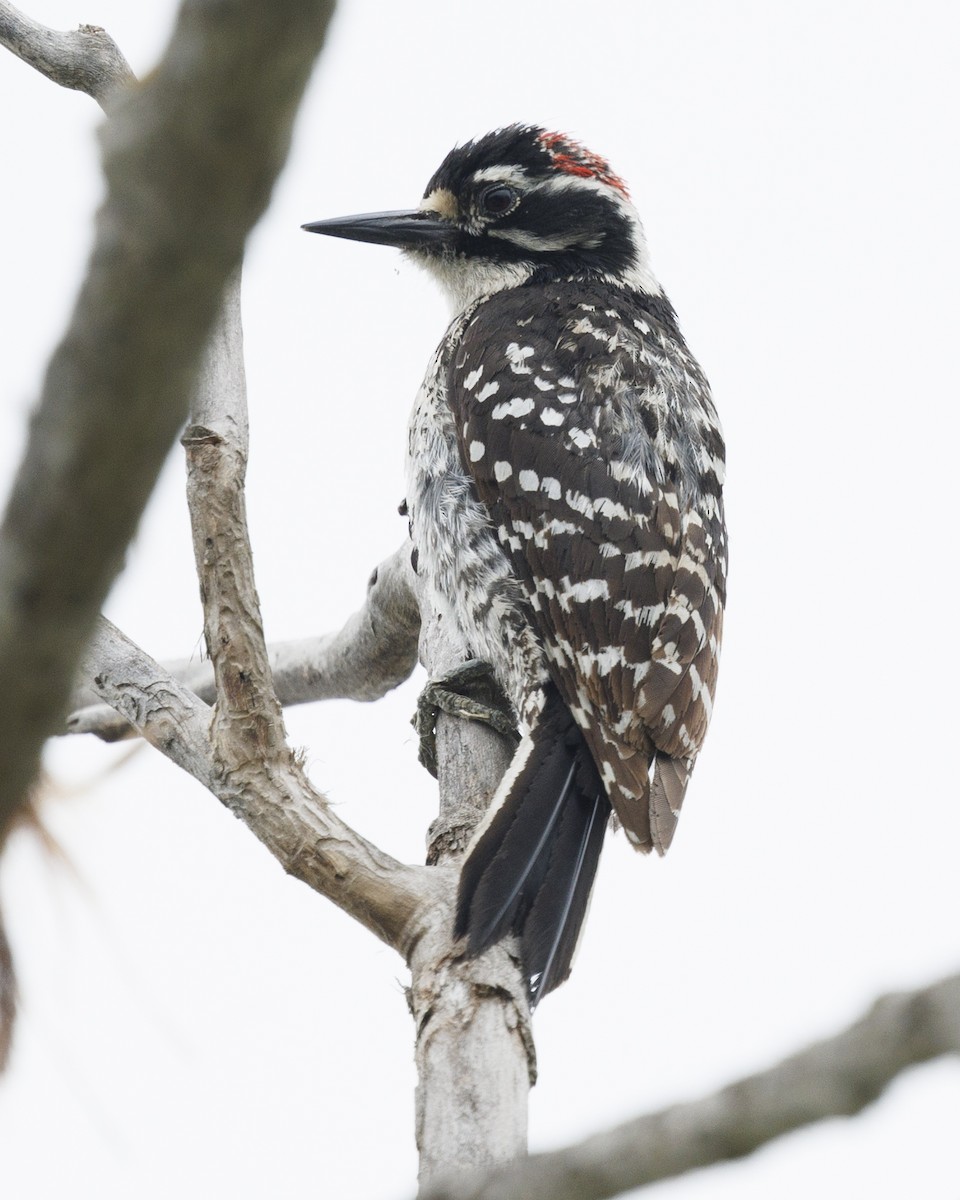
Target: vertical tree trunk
474 1051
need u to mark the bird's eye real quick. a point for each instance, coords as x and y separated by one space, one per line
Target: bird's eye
498 200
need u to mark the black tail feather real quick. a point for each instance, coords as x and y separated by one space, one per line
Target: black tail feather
492 912
531 869
552 930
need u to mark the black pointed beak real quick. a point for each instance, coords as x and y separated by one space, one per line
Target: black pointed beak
407 230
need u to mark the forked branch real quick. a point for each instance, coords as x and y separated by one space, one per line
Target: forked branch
190 157
272 796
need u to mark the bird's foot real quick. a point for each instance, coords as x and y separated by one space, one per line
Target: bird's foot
470 692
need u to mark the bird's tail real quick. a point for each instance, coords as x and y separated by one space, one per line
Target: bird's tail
531 866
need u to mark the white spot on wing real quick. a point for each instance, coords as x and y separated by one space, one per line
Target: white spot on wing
589 589
647 558
602 661
519 406
581 593
517 356
488 390
582 438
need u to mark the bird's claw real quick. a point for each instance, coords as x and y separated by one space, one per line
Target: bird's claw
470 692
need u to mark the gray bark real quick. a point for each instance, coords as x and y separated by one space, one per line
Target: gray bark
374 651
86 60
475 1053
236 753
190 157
837 1077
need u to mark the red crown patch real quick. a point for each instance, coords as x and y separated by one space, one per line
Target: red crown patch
573 159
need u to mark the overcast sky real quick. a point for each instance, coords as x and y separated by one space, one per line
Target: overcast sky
197 1025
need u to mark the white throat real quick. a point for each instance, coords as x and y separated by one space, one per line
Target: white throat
464 281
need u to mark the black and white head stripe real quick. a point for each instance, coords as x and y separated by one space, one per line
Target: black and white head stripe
535 153
525 195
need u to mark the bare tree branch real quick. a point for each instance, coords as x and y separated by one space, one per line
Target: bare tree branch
374 652
247 708
249 742
190 157
836 1077
87 59
164 712
90 61
273 798
238 748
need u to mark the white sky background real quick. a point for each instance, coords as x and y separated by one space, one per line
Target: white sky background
195 1024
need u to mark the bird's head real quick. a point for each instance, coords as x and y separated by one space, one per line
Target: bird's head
519 201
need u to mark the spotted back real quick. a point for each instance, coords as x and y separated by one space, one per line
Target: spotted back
589 433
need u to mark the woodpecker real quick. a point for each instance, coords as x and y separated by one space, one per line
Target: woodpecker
564 486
